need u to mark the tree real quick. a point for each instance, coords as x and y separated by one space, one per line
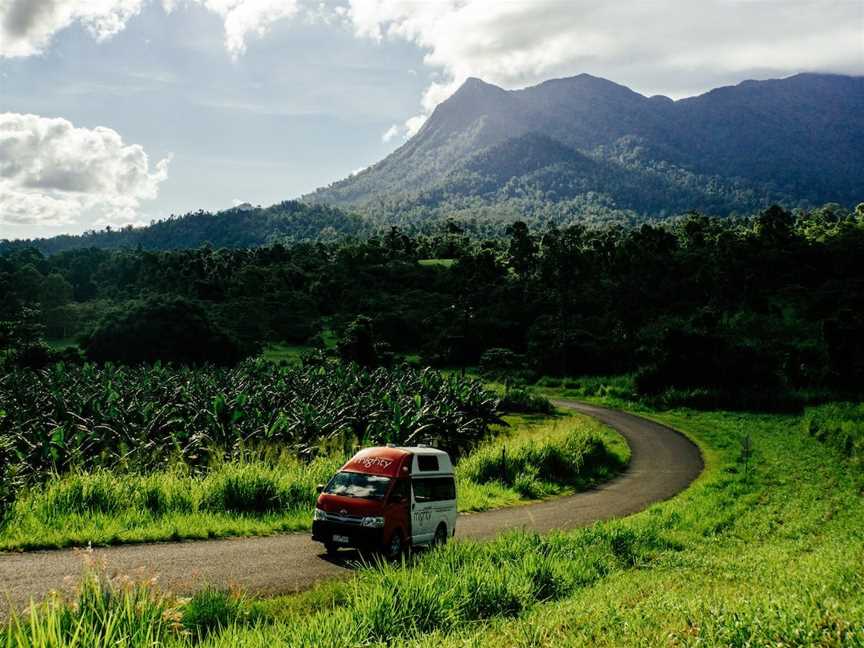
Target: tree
501 364
55 292
775 225
169 329
358 343
521 254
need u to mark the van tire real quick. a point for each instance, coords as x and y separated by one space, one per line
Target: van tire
331 549
395 546
440 538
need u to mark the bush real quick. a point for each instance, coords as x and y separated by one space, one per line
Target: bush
83 494
619 386
529 486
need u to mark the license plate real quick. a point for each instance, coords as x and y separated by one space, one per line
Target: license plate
341 539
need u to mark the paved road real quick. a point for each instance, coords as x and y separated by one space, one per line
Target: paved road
663 463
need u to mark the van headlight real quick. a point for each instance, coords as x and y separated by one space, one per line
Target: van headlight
374 522
319 515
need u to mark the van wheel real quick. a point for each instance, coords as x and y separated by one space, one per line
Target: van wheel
440 538
395 547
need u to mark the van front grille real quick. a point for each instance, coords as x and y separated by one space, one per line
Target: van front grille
356 520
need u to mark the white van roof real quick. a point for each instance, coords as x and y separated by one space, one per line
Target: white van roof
440 466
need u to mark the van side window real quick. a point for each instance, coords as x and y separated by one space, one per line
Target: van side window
400 491
422 492
427 463
445 489
430 489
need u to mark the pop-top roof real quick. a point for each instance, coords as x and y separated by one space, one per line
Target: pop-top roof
388 460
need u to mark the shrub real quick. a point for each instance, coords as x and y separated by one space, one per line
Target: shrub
162 493
85 493
493 593
529 486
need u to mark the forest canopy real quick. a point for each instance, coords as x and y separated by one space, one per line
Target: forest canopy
731 307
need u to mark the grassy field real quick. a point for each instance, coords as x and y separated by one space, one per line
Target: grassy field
292 354
441 263
765 549
59 344
257 498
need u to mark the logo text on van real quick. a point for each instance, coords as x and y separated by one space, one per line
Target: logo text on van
374 462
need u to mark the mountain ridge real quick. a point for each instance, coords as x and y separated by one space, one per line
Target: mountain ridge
797 140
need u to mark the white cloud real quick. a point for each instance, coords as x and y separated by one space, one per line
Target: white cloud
243 18
677 47
27 26
390 133
672 46
52 172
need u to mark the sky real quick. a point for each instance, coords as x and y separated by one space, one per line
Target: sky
118 112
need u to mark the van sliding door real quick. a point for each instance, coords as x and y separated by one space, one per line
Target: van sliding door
433 501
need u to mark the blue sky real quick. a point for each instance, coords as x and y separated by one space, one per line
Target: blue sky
123 111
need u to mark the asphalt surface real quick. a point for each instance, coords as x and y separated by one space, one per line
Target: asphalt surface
662 464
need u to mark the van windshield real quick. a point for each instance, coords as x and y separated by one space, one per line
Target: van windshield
351 484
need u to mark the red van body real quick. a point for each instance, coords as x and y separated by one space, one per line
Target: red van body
368 504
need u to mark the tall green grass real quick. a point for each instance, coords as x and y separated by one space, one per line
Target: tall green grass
616 388
105 507
103 614
840 425
572 452
388 603
276 494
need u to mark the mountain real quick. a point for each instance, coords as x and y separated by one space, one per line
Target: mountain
241 227
575 149
583 145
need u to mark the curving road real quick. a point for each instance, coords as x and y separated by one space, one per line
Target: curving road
662 464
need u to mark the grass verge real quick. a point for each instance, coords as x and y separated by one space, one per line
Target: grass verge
765 548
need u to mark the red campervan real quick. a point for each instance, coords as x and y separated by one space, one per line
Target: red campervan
388 499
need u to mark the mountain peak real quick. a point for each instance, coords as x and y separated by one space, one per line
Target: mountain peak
474 86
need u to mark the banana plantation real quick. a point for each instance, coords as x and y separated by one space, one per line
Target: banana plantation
146 418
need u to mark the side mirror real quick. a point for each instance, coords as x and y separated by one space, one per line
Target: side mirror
319 488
